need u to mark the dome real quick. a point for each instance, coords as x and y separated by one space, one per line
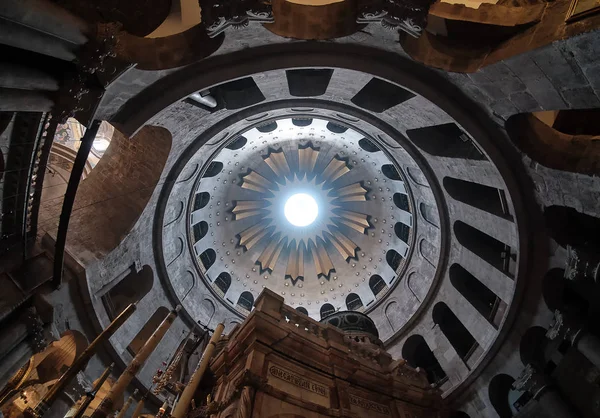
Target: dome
353 323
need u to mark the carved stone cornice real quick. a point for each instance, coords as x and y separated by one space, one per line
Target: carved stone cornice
565 327
407 15
218 15
582 264
530 380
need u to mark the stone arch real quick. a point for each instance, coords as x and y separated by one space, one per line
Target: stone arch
392 314
489 249
60 355
131 289
209 309
417 353
147 330
559 293
489 199
446 140
377 284
223 281
567 226
555 149
429 214
498 391
455 331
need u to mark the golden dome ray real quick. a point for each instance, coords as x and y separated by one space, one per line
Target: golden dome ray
323 263
268 258
251 236
352 193
295 266
335 169
343 244
256 182
247 208
357 221
307 158
278 163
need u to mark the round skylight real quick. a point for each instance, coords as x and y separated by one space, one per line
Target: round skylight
301 209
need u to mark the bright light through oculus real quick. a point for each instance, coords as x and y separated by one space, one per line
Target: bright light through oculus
301 209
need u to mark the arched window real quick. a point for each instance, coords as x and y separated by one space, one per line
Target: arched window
335 128
267 127
418 354
368 145
459 336
326 310
498 391
238 143
301 121
213 169
302 310
390 172
353 302
533 346
201 200
132 288
147 330
223 281
200 230
376 284
401 201
208 258
246 301
483 299
393 259
486 247
402 231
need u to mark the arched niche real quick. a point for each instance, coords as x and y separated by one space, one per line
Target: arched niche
417 353
223 281
532 346
326 310
131 289
377 284
353 302
246 301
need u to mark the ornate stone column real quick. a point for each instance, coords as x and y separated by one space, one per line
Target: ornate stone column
532 381
570 329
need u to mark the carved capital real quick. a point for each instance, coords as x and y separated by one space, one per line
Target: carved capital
564 327
218 15
582 264
530 380
407 15
94 53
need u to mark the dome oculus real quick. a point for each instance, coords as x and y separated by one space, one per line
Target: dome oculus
301 209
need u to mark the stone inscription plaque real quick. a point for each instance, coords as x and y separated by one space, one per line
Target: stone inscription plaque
299 381
367 404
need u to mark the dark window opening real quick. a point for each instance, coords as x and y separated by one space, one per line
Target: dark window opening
498 391
376 284
147 330
326 310
457 334
238 143
402 231
213 169
390 172
378 96
393 259
302 310
487 248
301 121
267 127
486 198
368 145
353 302
223 281
483 299
240 93
246 301
201 200
445 141
208 258
418 354
200 230
401 201
335 128
309 82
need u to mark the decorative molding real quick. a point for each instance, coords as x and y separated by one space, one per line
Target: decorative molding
409 16
218 15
